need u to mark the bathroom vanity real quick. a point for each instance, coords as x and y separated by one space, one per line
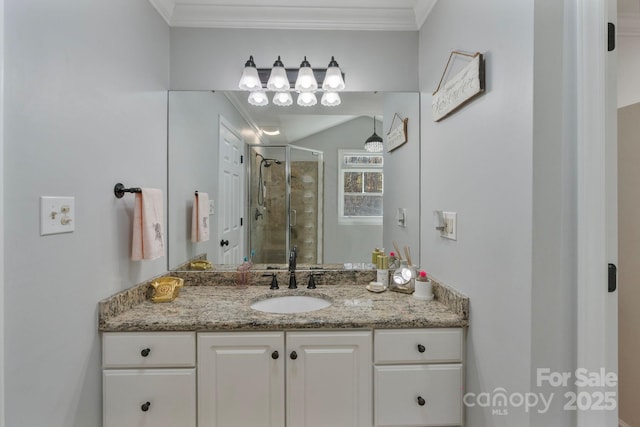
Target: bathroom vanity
209 359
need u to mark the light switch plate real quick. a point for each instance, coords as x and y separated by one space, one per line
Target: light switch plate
57 215
451 226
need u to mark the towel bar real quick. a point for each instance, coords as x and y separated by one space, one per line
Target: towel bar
119 190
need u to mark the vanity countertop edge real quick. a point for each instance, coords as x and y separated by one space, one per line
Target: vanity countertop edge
218 305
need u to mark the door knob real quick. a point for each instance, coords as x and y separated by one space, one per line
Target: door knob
224 243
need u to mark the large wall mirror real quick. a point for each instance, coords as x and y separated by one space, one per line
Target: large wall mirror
278 177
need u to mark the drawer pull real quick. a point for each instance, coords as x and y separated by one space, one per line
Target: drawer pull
145 406
294 355
145 352
275 355
421 401
421 348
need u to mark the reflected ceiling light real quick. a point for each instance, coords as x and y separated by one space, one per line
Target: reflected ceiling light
307 99
250 79
278 80
333 78
306 81
282 99
330 99
373 144
274 132
258 98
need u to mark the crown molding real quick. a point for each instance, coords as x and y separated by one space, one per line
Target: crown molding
629 25
403 15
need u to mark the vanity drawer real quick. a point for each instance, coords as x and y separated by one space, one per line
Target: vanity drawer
418 395
418 345
148 349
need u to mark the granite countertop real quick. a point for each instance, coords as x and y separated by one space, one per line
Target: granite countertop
223 306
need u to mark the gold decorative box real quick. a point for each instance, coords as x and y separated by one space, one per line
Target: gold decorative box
201 264
166 288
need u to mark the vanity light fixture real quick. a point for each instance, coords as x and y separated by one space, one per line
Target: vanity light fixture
250 79
373 144
279 80
306 81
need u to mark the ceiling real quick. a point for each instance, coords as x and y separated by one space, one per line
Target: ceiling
379 15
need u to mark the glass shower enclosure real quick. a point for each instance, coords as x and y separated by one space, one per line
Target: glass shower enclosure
285 204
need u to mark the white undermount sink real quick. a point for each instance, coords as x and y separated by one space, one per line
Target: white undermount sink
290 304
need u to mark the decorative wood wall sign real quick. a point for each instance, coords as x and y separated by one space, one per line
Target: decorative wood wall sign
461 88
397 135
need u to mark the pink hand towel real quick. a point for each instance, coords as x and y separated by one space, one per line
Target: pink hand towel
200 218
148 229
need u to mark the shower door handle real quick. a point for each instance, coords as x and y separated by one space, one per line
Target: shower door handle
293 218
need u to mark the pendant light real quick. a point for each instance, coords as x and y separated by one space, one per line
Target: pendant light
250 79
278 80
333 80
306 81
373 144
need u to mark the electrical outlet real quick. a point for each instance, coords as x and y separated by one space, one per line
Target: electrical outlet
211 210
57 215
450 226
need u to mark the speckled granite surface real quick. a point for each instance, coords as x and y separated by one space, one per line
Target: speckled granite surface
210 301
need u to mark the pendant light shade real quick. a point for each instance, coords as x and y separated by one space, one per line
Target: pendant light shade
330 99
374 144
250 79
306 81
307 99
282 99
278 80
333 80
258 98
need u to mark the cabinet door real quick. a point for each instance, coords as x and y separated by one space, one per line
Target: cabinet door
149 397
329 379
418 395
241 379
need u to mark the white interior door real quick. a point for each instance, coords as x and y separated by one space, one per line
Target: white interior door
230 195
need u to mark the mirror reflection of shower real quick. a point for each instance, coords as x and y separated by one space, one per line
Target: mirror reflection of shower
286 203
264 163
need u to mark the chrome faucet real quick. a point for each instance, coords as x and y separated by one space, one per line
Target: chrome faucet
292 267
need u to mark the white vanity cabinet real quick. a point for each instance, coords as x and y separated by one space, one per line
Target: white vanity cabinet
149 379
418 377
241 379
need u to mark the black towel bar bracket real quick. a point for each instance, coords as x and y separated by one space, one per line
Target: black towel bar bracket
119 190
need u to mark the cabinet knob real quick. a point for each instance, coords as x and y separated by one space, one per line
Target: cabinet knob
421 348
145 406
145 352
293 355
275 355
421 401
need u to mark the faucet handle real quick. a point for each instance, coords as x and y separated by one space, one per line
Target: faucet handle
312 280
274 280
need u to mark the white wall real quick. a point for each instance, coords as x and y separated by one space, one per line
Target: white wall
193 165
402 174
2 309
478 163
371 60
86 107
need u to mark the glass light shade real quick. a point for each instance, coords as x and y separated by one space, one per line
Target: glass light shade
250 79
278 80
333 78
307 99
306 81
258 98
283 99
330 99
